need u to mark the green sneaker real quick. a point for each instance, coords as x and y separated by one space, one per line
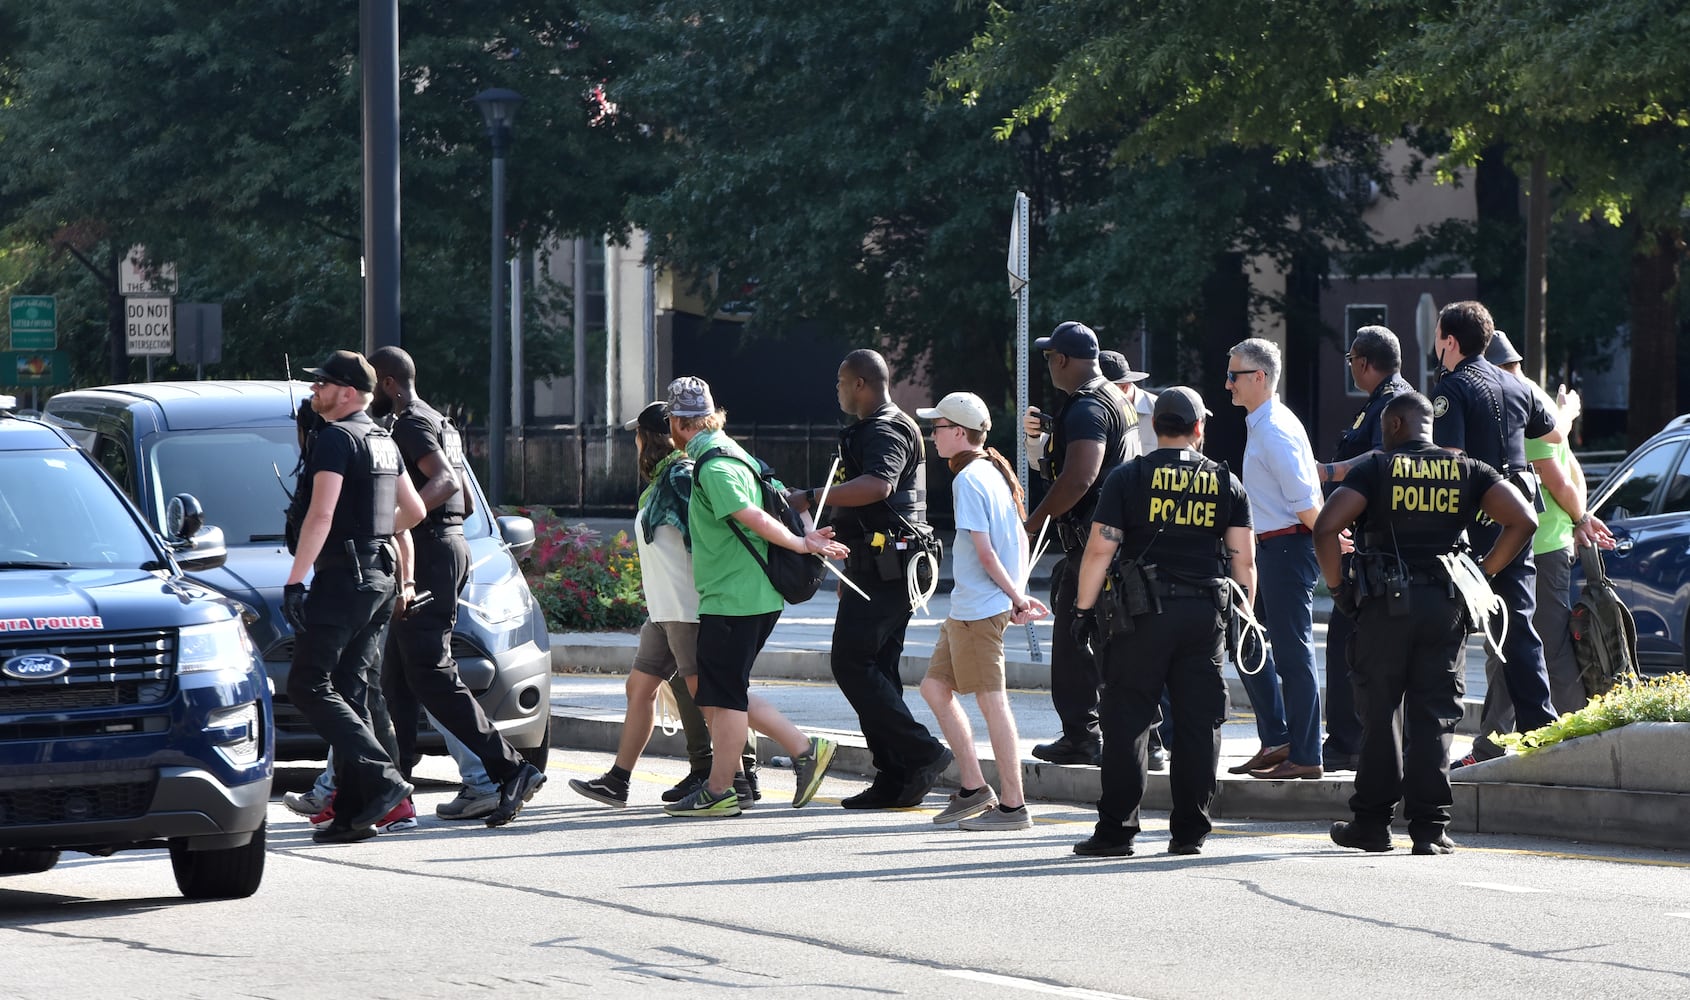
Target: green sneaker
702 805
810 768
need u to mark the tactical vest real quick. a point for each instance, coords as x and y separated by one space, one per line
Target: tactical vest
1418 506
370 488
452 511
1077 519
909 495
1178 510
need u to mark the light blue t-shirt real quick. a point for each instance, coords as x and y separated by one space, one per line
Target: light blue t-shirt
984 504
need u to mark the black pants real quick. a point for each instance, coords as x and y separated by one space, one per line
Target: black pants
1073 672
1180 651
1412 665
1343 722
418 668
332 661
1523 668
868 642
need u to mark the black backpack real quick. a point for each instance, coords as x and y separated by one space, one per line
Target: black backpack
1604 633
796 576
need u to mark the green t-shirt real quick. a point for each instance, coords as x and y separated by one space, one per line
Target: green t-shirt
729 580
1554 525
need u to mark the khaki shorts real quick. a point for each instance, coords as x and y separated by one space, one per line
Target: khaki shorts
667 648
969 655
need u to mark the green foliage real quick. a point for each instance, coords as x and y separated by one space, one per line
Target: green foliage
583 582
1659 699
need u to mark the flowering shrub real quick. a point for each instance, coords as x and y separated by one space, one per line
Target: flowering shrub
583 582
1658 699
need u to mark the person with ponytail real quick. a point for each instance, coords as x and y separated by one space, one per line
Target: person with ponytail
990 569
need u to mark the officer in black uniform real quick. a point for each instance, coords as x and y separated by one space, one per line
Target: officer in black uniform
878 508
418 667
1168 527
1375 361
1487 413
1093 433
358 501
1413 502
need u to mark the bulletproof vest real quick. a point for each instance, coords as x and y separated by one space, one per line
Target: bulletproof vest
909 493
1178 504
1418 507
452 448
369 491
1114 449
1358 439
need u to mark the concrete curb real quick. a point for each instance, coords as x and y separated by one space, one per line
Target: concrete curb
1598 815
1641 757
570 655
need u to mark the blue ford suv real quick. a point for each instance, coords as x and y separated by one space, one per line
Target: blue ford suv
133 709
233 444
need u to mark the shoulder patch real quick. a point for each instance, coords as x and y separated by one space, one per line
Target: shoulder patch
1440 406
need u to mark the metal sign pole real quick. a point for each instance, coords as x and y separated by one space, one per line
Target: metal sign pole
1018 254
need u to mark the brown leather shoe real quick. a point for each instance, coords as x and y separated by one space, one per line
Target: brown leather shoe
1286 769
1265 757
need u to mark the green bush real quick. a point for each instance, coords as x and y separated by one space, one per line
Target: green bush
1660 699
583 582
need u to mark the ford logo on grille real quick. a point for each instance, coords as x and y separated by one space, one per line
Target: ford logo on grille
35 667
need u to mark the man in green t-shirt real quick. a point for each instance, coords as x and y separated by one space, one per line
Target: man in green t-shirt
737 605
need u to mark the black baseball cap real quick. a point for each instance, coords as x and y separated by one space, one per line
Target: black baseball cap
348 368
654 418
1181 401
1073 339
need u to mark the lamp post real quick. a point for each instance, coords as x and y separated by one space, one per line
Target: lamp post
498 111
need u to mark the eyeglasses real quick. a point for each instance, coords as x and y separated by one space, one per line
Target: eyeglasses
1232 376
941 427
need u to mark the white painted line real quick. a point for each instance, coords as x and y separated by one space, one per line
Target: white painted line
1034 986
1501 887
1682 916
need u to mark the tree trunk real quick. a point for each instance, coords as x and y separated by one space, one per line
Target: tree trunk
1501 235
1654 333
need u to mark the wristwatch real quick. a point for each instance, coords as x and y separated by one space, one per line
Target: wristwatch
1583 520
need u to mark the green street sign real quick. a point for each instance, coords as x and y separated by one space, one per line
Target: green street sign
26 368
35 323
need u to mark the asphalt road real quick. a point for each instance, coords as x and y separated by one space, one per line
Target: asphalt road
577 900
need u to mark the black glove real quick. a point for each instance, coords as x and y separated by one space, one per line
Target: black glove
1084 629
1344 600
293 605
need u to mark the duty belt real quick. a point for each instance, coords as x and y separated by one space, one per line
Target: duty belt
335 556
1174 588
438 530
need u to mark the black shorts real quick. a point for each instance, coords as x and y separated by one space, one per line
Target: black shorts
727 647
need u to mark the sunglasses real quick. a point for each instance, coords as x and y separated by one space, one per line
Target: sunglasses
941 427
1232 376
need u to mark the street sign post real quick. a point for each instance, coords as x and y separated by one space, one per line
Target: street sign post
35 322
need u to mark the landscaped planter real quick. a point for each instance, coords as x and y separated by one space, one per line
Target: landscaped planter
1640 757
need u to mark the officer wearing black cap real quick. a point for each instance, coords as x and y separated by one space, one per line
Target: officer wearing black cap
359 500
1092 433
418 667
1168 528
1487 413
1413 501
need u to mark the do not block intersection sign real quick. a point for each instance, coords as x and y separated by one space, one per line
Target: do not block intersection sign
149 326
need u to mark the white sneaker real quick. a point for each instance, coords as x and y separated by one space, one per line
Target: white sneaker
959 808
469 804
305 803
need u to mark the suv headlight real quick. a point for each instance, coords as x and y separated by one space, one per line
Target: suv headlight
498 605
217 646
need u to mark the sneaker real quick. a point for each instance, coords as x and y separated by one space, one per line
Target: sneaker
1375 840
606 788
1158 759
702 805
960 808
469 804
745 788
997 819
515 792
810 767
1467 761
748 767
381 804
1070 751
339 833
1441 844
401 817
306 803
322 819
686 786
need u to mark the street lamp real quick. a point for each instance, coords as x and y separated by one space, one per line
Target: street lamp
498 111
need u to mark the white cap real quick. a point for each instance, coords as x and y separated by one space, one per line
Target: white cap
962 408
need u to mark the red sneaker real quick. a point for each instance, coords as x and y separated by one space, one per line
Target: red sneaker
322 820
401 817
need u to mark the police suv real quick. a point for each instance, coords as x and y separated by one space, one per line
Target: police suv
234 444
133 708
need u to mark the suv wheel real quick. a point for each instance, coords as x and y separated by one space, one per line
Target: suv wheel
233 873
27 862
537 755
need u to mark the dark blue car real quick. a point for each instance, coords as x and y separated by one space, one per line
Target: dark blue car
1646 501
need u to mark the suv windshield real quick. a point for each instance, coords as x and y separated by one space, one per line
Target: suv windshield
55 510
238 476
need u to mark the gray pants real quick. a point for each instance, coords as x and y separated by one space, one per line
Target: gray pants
1552 621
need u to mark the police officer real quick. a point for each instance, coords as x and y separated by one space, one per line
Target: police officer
1413 502
358 501
418 667
1168 527
1375 361
878 508
1093 433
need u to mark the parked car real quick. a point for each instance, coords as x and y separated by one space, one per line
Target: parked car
134 712
234 445
1646 501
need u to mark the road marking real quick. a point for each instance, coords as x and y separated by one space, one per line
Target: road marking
1502 887
1033 985
1683 916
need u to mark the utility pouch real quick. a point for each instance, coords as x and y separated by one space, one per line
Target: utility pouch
1397 595
1350 568
1113 620
887 566
1526 481
1069 537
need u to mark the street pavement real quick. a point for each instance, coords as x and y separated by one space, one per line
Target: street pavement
579 900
